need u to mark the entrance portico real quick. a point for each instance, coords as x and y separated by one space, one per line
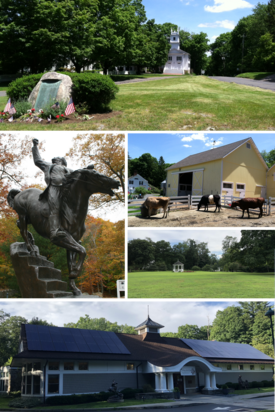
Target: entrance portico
187 376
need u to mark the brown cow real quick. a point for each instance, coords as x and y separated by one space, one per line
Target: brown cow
154 203
249 203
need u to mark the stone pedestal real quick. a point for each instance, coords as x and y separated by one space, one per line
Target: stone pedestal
36 276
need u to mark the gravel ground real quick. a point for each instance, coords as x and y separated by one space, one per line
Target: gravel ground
187 218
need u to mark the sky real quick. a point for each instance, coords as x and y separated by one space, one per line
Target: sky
213 17
123 312
213 238
174 147
57 144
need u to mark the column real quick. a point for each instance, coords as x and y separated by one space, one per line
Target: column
184 385
163 386
170 381
207 381
213 380
157 382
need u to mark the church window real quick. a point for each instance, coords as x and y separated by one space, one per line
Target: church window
179 58
169 57
174 38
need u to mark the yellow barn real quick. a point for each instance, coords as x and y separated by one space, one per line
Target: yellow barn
270 182
236 169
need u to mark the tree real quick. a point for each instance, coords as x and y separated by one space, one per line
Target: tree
270 18
269 157
107 154
197 46
128 164
264 58
230 326
221 48
100 324
12 152
141 253
10 327
192 332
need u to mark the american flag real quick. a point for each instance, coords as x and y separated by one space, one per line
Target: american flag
70 108
10 107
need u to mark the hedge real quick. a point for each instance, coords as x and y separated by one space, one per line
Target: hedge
93 89
76 399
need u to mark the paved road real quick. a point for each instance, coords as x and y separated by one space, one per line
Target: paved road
269 85
208 408
147 79
3 93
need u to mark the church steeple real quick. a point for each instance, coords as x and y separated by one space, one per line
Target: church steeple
175 39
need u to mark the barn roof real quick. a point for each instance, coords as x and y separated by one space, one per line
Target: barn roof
215 154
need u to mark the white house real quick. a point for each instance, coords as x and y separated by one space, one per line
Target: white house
179 61
137 181
62 361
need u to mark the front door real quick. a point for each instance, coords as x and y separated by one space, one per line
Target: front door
178 382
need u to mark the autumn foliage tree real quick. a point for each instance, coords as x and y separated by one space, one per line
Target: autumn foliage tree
104 263
106 152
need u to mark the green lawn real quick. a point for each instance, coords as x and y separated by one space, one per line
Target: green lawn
4 403
3 101
253 390
99 405
255 76
200 285
180 103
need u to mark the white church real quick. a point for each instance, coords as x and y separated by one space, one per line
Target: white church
179 61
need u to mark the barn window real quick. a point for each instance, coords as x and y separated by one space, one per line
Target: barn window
248 145
227 185
169 185
240 367
179 58
240 186
252 367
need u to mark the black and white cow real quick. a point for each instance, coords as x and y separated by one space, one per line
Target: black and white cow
210 200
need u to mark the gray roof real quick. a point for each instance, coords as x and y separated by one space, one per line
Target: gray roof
178 263
210 155
150 323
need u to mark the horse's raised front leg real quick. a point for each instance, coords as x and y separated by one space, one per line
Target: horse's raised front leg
65 240
26 235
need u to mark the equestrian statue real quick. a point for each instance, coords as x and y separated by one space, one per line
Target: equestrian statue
59 212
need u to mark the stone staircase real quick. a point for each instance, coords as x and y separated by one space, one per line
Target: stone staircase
37 276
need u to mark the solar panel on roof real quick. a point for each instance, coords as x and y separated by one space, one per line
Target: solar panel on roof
49 338
225 350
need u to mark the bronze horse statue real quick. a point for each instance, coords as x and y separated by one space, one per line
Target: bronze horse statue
78 187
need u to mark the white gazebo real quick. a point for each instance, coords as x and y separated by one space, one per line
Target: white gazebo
178 267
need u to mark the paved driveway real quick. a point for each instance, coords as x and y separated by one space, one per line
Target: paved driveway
263 84
3 93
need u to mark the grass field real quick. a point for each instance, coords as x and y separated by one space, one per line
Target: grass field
180 103
99 405
253 390
255 76
200 285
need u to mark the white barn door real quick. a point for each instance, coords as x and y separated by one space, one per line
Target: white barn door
197 183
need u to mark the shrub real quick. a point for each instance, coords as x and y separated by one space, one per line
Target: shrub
21 88
16 394
129 393
25 403
206 268
260 385
148 388
141 190
154 189
21 107
95 89
254 384
77 399
196 268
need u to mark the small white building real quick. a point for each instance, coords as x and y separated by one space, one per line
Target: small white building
178 267
179 61
137 181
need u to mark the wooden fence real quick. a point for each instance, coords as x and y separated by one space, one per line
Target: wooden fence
191 202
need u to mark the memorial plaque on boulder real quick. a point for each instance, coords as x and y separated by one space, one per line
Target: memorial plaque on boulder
51 87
